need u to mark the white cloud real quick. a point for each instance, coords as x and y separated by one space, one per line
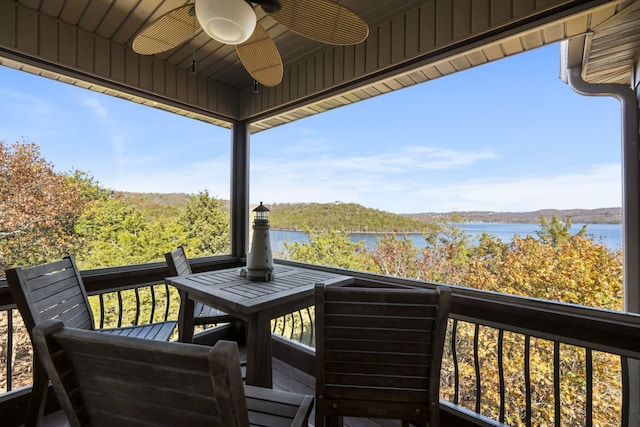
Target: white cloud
400 183
599 186
403 161
96 107
356 178
441 159
190 178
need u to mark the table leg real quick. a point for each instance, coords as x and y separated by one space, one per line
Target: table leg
259 362
185 318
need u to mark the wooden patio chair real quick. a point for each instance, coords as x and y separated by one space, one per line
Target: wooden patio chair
379 353
202 314
108 380
56 291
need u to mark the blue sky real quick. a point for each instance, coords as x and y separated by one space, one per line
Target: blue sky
505 136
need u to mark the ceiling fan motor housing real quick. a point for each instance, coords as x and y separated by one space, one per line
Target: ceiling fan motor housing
227 21
269 6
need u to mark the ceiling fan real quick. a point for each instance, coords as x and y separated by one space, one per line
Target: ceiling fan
234 22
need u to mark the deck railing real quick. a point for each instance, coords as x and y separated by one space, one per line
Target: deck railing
508 359
527 362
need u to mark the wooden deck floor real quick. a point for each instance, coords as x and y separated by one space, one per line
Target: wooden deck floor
284 378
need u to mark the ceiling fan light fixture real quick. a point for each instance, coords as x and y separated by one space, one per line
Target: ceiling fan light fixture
227 21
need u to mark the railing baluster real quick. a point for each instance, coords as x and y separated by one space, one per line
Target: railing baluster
101 298
527 378
501 373
119 308
168 299
137 314
626 389
305 335
476 365
292 327
589 373
153 303
9 376
556 383
454 357
299 315
312 337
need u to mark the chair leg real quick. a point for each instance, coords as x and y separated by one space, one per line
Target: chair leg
328 421
38 397
334 421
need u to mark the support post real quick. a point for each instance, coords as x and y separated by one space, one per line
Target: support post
240 189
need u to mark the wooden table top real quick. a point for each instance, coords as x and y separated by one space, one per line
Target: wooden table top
228 290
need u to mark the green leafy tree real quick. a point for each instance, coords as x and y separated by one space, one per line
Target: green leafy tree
555 232
114 232
117 234
332 248
90 188
111 232
207 225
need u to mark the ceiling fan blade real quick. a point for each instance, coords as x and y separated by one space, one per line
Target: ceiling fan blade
261 58
322 20
169 31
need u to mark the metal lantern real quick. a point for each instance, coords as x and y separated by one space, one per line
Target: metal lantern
259 260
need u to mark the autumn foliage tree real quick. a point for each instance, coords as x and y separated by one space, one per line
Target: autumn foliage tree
555 266
38 210
38 207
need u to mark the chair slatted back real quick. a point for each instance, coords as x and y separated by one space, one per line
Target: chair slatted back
51 291
203 314
108 380
379 352
178 262
55 291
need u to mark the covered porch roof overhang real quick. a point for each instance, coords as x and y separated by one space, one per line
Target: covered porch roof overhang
88 44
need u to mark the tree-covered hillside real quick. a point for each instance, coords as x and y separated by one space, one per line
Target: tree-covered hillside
578 216
340 216
288 216
353 217
155 205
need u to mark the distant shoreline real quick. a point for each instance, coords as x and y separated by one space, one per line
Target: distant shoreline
578 216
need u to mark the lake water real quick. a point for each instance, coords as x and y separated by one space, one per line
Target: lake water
609 234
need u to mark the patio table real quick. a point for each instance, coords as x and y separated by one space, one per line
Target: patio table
256 303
